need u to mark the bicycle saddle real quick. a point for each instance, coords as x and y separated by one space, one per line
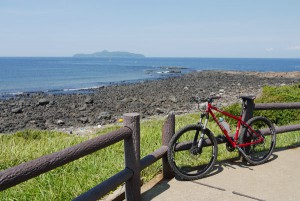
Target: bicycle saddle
247 97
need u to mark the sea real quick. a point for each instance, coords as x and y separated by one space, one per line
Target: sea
56 75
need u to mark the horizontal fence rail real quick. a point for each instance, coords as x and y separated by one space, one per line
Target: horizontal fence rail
25 171
276 106
153 157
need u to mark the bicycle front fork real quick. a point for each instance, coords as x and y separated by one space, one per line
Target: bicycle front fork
203 128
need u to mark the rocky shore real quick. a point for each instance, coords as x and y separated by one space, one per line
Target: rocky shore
107 104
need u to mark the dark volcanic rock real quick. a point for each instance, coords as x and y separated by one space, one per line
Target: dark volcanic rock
17 110
84 120
88 100
82 108
43 101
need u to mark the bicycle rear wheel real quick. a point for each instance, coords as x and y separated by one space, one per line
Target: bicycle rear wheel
185 158
258 153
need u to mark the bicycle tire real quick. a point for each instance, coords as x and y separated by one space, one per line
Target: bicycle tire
188 165
258 153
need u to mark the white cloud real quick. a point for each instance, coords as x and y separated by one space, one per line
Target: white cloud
269 49
296 47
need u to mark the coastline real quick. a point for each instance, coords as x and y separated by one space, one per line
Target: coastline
106 104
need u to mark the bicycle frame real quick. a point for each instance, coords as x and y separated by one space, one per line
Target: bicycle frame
235 142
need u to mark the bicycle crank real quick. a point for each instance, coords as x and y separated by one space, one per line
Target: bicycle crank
229 147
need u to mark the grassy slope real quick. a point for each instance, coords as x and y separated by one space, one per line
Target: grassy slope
69 181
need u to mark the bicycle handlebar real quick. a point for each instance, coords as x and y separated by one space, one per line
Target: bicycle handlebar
208 99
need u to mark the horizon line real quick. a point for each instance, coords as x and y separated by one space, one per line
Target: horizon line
183 57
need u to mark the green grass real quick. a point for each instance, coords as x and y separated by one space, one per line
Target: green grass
71 180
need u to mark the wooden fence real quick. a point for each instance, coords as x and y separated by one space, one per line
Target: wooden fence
130 133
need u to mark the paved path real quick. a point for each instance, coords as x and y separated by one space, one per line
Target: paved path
279 179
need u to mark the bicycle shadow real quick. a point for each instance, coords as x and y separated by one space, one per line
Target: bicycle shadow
234 163
242 163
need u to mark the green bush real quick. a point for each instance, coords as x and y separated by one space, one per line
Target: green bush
277 95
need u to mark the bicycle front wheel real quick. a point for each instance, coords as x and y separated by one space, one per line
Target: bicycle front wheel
186 159
258 153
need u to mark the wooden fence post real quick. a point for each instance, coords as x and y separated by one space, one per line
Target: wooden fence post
248 114
132 157
167 133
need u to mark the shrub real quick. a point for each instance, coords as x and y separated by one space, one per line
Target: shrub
276 95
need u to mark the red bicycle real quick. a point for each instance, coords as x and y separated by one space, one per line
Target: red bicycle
193 150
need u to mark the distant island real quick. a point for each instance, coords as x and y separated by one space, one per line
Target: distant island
107 54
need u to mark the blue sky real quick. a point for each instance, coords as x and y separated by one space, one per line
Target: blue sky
155 28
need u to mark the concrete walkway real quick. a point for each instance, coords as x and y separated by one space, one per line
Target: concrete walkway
278 179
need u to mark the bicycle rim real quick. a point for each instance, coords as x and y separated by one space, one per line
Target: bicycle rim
259 153
186 161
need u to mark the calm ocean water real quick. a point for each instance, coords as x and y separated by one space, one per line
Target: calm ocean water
69 74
